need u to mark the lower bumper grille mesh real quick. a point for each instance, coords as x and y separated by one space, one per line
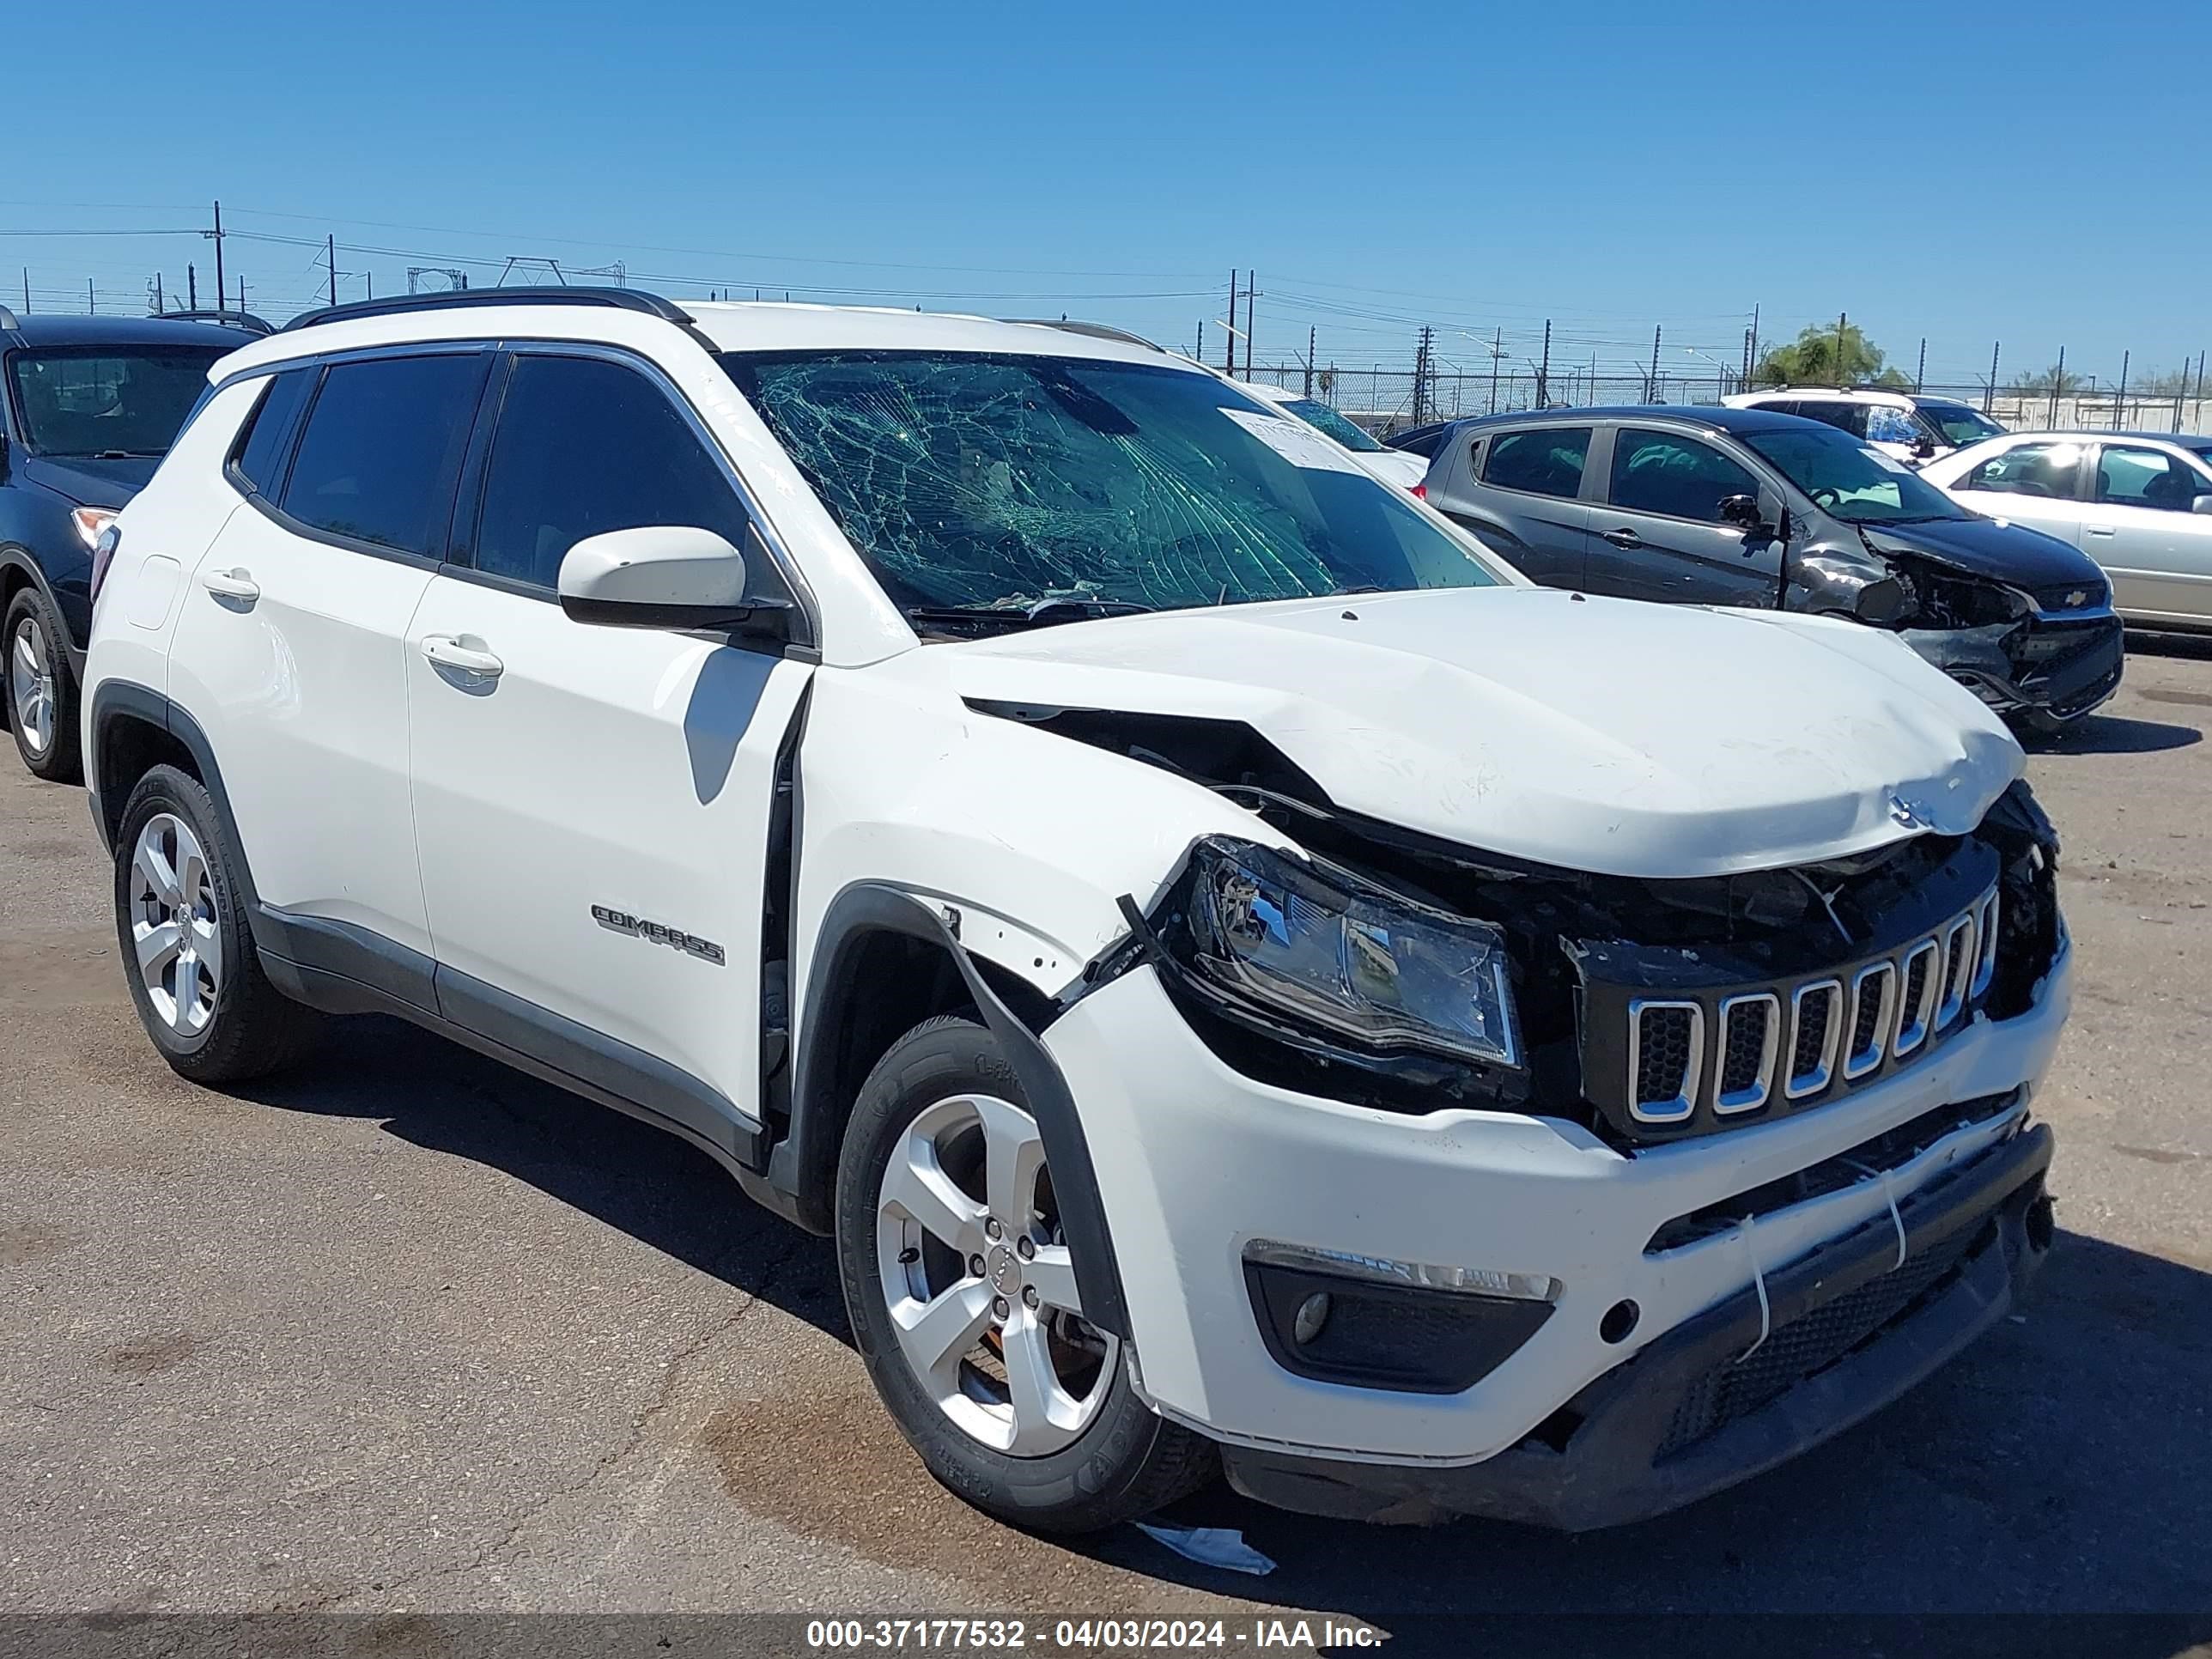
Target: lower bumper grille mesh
1811 1343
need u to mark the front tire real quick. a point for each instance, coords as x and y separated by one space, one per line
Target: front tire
42 691
963 1305
182 933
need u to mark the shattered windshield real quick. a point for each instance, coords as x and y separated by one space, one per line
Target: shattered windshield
1859 485
1047 487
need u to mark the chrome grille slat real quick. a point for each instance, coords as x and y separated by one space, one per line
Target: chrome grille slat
1955 961
1920 986
1985 938
1821 1000
1746 1021
1874 1012
1653 1021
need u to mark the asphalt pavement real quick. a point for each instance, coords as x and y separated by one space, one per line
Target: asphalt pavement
404 1331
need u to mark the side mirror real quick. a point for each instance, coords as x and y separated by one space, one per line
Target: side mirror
2201 504
1741 510
661 576
1923 448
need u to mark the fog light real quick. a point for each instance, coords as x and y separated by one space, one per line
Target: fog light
1313 1314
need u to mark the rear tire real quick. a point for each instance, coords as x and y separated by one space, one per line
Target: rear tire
1013 1402
186 947
41 692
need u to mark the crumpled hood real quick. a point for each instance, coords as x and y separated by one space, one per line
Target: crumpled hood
1594 734
89 482
1984 547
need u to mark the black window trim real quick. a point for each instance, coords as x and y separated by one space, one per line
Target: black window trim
460 548
233 473
1621 429
1581 488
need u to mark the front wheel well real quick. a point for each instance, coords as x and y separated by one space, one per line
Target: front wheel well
130 746
875 984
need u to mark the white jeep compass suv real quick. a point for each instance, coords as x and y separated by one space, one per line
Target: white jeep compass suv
1246 982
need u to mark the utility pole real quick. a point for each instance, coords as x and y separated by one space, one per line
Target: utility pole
1544 370
160 305
330 252
1754 340
27 301
1990 396
1841 322
241 294
1497 351
1200 355
192 288
2200 369
1229 360
2058 385
2120 402
1251 281
1920 375
1651 386
218 256
1421 350
91 305
1310 334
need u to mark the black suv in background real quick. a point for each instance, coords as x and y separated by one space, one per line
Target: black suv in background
1746 507
89 405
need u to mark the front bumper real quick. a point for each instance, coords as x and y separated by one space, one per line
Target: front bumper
2061 669
1196 1162
1740 1388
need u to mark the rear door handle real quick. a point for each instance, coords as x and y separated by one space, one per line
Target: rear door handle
448 652
1623 538
231 584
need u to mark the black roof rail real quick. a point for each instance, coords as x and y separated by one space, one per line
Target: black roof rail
615 299
1096 330
243 319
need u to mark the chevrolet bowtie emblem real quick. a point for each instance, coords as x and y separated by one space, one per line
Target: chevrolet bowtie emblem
2079 596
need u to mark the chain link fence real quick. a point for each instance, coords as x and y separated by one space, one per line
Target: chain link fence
1383 399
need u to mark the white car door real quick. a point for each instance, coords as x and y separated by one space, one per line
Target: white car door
2037 482
593 803
2143 526
290 650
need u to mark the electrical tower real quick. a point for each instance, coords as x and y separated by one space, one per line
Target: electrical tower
425 279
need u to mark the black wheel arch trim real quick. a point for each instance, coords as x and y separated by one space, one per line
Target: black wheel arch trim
16 558
802 1169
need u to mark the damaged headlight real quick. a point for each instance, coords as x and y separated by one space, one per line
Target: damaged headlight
1331 952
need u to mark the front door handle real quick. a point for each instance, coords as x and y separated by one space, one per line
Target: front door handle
231 584
1623 538
448 652
2100 529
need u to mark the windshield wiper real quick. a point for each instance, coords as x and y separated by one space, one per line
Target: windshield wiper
1028 613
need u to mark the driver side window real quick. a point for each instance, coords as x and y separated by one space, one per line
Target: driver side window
2128 476
2048 471
585 445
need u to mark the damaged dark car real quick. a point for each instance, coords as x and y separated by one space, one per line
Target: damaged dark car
1749 508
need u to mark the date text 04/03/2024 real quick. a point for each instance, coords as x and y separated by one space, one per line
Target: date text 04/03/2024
1087 1635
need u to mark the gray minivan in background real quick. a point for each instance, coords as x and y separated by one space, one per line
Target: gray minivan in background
1748 507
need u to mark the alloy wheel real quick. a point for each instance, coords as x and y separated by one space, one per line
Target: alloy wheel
979 1283
31 685
174 925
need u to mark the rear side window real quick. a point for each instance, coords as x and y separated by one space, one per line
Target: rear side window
1847 417
2147 477
584 447
259 457
1547 461
2047 470
382 450
1680 478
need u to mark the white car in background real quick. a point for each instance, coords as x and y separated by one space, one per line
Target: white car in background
2140 503
1908 426
1392 467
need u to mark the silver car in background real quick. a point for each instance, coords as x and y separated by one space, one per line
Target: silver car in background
2139 503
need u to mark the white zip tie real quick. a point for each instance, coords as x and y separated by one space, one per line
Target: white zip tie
1759 1282
1888 1193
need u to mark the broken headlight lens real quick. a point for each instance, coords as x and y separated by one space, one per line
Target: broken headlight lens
1328 949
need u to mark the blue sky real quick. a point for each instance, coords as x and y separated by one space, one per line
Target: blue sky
1968 172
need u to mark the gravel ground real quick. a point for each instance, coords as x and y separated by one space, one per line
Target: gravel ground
404 1332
